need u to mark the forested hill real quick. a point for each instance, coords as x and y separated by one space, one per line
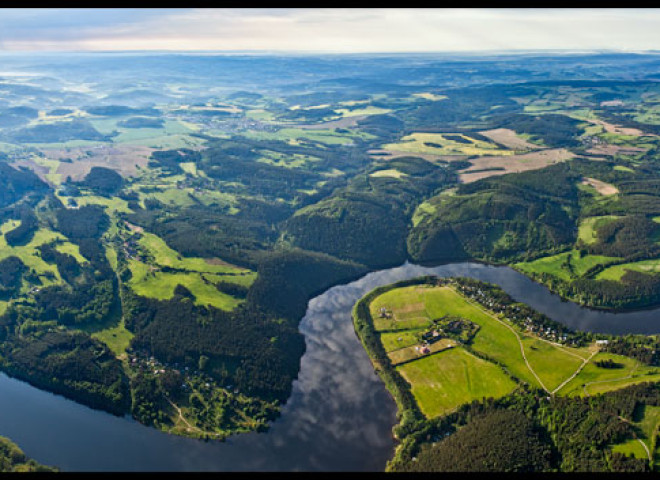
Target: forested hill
159 242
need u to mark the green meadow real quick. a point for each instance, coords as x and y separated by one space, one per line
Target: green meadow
593 379
196 274
29 254
161 285
557 266
165 256
443 381
419 143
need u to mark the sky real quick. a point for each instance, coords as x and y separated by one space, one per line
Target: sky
329 30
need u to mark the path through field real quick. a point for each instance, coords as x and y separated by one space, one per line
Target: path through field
522 349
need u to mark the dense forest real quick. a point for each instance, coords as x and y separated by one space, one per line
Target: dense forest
529 432
112 285
501 218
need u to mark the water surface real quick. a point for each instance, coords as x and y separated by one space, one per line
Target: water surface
339 416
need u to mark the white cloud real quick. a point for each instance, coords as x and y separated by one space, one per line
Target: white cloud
336 30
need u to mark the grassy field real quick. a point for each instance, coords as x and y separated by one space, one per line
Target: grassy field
161 285
615 272
647 420
553 365
418 143
117 338
593 379
556 264
443 381
422 210
165 256
409 311
196 274
71 249
414 307
631 448
588 227
397 340
112 204
28 253
621 168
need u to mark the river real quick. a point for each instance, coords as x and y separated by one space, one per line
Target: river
339 416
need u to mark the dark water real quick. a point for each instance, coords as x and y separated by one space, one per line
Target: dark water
339 416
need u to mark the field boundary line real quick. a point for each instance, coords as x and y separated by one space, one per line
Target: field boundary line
522 348
575 374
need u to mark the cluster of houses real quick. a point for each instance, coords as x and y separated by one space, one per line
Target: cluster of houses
591 141
548 331
141 362
234 123
131 249
130 246
385 313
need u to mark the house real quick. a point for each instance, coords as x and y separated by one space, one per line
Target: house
602 342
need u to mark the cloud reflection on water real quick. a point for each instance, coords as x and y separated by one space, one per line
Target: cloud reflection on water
339 416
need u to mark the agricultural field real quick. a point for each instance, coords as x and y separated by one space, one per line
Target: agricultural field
601 187
444 144
47 273
589 226
402 315
565 265
615 272
229 195
593 380
447 379
156 270
509 139
487 166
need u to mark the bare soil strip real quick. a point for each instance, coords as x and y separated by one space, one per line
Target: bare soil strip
513 163
615 150
124 159
611 128
508 138
601 187
390 154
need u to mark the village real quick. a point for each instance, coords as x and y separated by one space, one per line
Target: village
524 317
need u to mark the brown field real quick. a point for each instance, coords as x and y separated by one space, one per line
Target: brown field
615 150
509 139
601 187
410 353
340 123
611 103
610 128
390 154
514 163
40 170
412 307
121 158
134 228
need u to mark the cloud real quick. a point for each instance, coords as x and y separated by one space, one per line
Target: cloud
329 30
